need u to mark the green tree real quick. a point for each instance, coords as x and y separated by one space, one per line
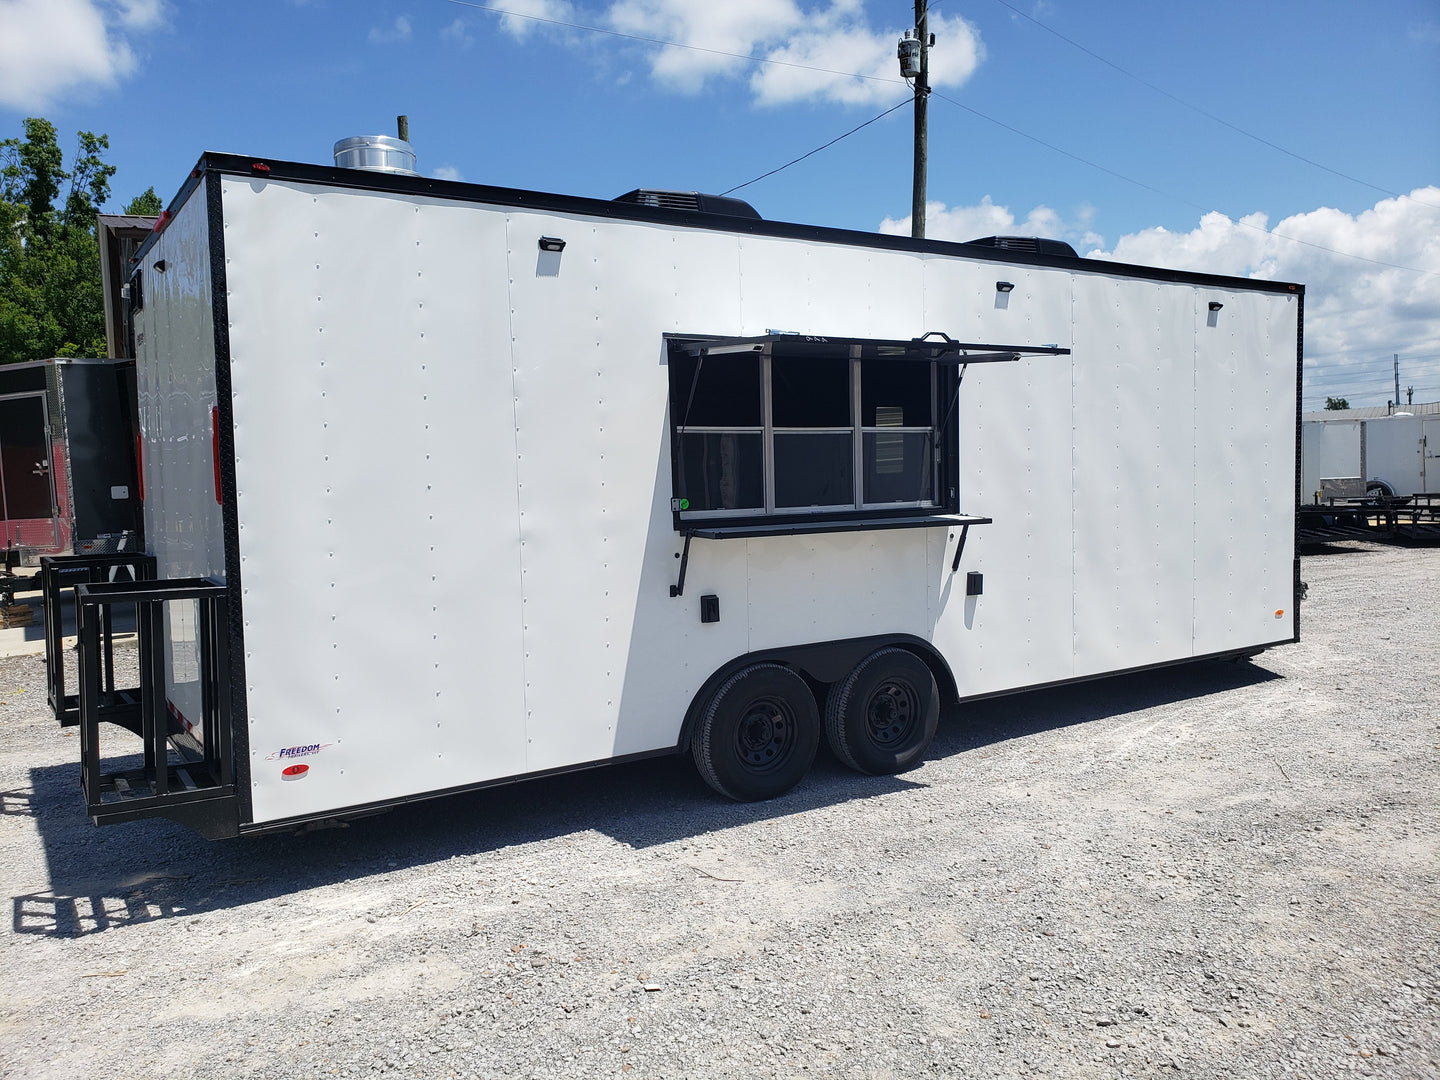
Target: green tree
146 204
50 293
1336 403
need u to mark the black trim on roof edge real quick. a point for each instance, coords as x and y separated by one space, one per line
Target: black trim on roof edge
518 198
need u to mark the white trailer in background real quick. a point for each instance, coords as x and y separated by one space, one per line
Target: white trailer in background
1384 455
655 475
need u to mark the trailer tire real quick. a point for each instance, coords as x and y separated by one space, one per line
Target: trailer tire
881 717
758 733
1377 491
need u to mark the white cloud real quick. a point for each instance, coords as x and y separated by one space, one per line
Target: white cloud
824 51
558 10
1425 33
962 223
51 49
447 172
458 32
737 27
1357 313
398 31
141 14
840 43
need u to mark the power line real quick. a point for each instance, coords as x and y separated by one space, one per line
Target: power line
1206 113
1165 194
873 78
1377 357
817 149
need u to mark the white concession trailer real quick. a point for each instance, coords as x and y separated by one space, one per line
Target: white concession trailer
448 485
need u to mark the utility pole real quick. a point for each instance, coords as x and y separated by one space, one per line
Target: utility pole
1397 380
922 101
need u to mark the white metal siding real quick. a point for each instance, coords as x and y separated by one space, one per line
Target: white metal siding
1393 452
175 351
376 467
454 477
1015 430
1331 448
1244 490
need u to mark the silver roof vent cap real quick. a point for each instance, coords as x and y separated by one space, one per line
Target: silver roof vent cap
376 153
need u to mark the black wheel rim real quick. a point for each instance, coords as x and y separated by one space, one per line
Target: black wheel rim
892 713
766 735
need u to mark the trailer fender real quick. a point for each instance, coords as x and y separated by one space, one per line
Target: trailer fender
821 663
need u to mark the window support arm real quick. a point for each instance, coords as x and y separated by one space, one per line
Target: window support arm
954 401
960 549
679 589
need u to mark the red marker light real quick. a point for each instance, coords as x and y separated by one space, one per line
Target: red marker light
162 221
259 166
294 772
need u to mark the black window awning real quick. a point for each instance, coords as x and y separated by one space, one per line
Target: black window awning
931 348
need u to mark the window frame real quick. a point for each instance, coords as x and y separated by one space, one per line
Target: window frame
944 444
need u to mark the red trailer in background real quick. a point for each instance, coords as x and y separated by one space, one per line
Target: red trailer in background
67 468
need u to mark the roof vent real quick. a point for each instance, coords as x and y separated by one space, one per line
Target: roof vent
1035 244
691 201
376 153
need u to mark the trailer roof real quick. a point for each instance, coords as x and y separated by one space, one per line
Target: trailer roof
272 169
1377 412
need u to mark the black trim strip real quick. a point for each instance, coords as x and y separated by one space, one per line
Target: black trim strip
220 312
363 809
234 165
1223 654
1299 449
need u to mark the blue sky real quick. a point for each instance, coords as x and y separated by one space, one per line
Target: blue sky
493 99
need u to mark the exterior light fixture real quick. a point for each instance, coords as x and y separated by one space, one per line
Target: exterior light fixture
1004 286
551 243
1216 305
160 265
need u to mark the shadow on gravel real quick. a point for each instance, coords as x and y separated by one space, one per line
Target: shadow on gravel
981 723
1333 547
99 879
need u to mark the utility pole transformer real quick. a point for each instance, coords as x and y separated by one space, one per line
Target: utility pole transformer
914 54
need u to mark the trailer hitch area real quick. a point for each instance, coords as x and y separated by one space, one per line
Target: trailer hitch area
684 557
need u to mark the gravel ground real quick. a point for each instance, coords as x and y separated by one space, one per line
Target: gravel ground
1226 869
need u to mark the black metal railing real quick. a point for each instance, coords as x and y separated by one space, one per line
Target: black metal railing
59 574
187 768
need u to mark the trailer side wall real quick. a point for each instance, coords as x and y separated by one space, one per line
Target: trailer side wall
176 373
452 461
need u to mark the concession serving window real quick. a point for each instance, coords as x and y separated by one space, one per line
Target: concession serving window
788 433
